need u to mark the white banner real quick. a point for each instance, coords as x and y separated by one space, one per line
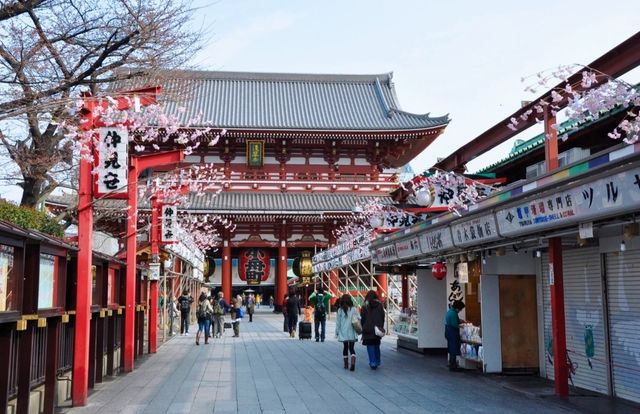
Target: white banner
169 224
113 160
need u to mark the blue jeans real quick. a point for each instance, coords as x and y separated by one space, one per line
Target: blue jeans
203 325
320 323
374 355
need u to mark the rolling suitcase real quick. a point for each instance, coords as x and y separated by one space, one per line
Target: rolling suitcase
304 330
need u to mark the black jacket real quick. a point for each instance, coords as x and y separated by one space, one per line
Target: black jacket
293 305
372 314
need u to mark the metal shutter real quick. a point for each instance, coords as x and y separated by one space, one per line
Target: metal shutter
623 284
583 318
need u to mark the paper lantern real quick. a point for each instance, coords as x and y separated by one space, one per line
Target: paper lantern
254 266
424 197
376 222
439 270
303 266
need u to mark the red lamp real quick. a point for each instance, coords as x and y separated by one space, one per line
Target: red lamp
439 270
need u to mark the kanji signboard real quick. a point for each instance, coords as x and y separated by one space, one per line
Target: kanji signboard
112 161
169 224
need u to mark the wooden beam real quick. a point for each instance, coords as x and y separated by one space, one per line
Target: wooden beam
614 63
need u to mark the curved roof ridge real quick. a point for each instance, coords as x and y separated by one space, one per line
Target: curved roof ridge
276 76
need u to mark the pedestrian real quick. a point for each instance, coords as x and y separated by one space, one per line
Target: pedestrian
173 314
220 307
184 305
270 302
251 303
320 301
293 310
452 333
284 313
236 313
372 315
203 313
345 331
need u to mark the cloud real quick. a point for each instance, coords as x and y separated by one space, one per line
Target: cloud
235 42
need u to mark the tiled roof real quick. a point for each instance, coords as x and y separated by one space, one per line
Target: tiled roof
254 203
246 100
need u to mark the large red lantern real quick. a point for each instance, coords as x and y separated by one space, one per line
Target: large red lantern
254 266
439 270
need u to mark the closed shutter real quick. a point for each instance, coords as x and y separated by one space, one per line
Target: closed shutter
583 318
623 287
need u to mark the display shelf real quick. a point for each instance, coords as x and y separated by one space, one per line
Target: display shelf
473 342
406 325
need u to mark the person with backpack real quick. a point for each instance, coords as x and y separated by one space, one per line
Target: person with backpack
220 306
184 305
203 313
345 330
320 300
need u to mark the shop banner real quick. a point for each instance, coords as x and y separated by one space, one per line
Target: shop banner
408 248
169 224
112 161
607 197
477 230
385 254
435 241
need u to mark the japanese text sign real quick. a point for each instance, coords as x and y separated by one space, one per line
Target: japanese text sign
112 161
169 224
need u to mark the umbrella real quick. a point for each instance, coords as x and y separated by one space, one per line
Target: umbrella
249 291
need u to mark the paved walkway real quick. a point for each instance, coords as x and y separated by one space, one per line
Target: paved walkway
264 371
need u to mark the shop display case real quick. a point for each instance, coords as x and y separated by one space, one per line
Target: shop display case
471 346
406 325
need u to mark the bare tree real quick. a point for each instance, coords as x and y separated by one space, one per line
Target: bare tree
52 49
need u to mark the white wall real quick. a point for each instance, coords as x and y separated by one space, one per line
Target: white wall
432 306
490 314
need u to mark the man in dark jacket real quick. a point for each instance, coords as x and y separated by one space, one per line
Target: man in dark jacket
292 305
184 305
372 315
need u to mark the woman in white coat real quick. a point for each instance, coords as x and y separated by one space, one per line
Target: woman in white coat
345 331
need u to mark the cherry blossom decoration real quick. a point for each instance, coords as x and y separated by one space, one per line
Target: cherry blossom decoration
588 104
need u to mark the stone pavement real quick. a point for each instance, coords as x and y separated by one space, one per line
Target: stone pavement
265 371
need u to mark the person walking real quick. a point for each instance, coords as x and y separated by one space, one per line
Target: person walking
345 331
203 313
173 314
236 313
372 315
293 310
284 313
184 305
452 333
251 303
220 307
320 300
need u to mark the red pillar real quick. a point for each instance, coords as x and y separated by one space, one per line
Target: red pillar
381 280
405 290
281 278
226 269
80 383
560 368
153 286
130 279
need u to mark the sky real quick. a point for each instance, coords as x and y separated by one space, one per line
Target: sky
462 58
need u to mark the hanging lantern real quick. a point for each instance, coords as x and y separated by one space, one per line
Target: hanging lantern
376 221
439 270
425 196
303 266
254 266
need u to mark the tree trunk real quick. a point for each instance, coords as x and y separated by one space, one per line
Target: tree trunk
31 188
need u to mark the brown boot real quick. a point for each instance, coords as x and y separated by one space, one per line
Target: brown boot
353 363
346 362
198 338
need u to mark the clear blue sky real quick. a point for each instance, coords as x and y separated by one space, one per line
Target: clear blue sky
465 58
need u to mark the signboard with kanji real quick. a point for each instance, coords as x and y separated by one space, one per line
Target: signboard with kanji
169 224
255 153
112 161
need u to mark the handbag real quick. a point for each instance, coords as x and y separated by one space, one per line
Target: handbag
379 332
357 325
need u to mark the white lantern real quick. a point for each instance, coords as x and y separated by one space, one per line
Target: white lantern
423 197
376 222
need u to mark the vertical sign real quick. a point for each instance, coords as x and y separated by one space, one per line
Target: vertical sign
113 160
255 154
169 224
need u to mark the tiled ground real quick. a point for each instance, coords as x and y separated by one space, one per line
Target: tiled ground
264 371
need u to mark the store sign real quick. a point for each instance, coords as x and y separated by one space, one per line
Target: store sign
606 197
441 196
435 241
112 161
255 153
477 230
385 254
169 224
154 271
408 248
